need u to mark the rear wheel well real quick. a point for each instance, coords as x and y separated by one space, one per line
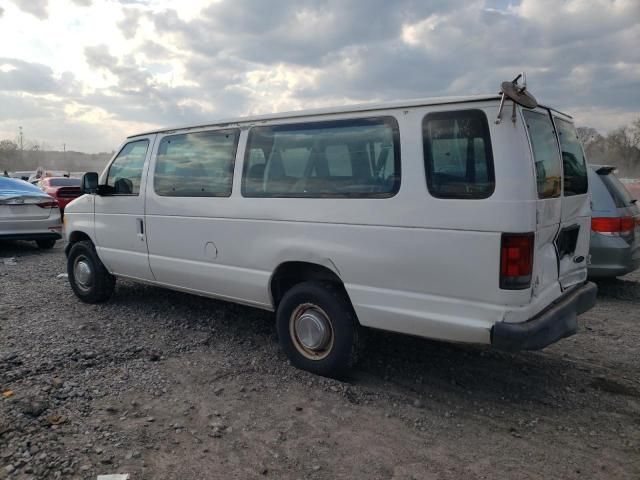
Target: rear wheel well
289 274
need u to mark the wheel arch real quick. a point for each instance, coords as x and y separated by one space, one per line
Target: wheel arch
290 273
74 237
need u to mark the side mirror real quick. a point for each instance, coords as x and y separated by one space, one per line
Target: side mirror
89 182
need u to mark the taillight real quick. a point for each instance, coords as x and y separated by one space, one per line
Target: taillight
614 226
516 260
52 204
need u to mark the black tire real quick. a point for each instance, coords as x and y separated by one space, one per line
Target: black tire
101 283
46 243
341 354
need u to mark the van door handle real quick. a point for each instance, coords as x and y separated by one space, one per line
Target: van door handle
140 222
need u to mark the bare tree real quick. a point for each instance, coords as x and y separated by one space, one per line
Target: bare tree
8 146
619 147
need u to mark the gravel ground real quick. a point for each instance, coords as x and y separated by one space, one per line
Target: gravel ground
164 385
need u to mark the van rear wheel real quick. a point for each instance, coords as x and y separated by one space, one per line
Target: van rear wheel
88 277
317 328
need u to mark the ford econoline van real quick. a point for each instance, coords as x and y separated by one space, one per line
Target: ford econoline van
442 218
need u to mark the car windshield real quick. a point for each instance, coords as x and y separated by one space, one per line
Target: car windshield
64 182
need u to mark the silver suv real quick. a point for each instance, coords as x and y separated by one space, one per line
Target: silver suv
615 225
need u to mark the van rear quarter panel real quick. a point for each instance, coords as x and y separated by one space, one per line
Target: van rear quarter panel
411 263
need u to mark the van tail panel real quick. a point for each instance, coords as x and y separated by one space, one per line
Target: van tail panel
572 249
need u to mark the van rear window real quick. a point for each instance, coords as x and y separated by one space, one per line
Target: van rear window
545 153
357 158
457 154
573 162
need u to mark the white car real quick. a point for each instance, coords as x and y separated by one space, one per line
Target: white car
27 213
446 218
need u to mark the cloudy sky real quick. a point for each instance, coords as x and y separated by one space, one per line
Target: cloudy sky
89 72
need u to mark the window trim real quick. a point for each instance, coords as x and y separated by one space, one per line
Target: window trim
428 161
236 131
387 120
146 155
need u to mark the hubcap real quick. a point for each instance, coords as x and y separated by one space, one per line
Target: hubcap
311 331
82 273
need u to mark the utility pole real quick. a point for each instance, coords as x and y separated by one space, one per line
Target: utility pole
21 147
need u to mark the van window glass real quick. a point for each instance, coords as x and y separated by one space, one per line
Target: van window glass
344 158
545 153
574 174
126 170
457 154
338 161
196 164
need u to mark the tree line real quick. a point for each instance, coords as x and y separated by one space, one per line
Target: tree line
13 158
619 147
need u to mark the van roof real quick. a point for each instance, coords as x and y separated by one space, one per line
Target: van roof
363 107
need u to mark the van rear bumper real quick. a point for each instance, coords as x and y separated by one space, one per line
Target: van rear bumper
556 322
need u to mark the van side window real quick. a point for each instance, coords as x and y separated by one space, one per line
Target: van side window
126 170
545 153
574 173
196 164
357 158
457 154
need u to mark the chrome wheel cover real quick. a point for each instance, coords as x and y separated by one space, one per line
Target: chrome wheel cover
311 331
83 273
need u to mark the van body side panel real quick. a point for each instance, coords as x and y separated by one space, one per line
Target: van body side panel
410 263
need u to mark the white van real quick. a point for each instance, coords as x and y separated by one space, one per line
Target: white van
438 218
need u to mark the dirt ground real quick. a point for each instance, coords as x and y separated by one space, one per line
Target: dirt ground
164 385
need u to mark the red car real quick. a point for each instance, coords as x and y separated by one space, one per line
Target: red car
63 189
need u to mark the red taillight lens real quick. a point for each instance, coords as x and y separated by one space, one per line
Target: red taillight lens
53 204
627 224
612 225
516 260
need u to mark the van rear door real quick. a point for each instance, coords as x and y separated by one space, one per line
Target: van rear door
572 242
563 208
548 171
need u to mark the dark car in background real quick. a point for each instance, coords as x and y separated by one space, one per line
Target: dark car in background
615 225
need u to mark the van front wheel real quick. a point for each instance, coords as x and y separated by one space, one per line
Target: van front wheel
317 328
89 279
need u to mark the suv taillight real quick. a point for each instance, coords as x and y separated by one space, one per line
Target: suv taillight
516 260
613 226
